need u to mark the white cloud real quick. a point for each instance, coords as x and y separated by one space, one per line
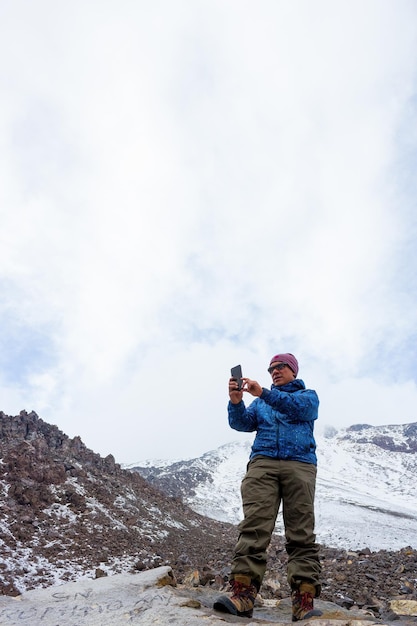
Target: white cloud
192 185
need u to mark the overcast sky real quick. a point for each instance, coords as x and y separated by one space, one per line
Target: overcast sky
191 184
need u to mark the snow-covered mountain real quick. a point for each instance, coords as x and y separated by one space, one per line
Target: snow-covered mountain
366 494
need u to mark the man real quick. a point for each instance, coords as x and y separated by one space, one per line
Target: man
282 468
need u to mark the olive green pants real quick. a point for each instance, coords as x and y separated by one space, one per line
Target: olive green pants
268 482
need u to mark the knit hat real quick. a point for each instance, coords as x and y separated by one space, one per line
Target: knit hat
287 358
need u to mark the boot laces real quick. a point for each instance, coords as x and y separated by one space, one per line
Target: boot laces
306 601
240 590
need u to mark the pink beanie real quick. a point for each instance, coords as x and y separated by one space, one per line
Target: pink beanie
287 358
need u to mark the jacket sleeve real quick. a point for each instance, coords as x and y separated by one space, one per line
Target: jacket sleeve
242 418
300 406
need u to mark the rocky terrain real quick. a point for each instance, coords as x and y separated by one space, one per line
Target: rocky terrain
66 512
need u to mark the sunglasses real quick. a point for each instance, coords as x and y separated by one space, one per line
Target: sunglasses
279 366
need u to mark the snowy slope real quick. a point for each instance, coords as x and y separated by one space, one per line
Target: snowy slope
365 496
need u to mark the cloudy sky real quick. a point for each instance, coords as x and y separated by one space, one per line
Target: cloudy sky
187 185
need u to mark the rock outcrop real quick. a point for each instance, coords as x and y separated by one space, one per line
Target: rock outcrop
66 511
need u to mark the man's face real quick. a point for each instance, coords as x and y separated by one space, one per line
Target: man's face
281 373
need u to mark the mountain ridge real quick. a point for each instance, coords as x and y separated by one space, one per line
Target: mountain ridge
66 512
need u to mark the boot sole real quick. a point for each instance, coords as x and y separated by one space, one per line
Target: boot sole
313 613
224 605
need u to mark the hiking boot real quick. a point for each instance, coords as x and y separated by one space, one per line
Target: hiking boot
303 603
242 599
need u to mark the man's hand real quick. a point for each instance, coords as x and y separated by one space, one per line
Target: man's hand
234 394
253 387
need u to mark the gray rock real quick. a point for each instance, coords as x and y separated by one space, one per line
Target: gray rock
147 598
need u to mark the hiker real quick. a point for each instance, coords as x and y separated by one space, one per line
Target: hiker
281 468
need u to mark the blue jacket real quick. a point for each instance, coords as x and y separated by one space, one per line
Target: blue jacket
283 418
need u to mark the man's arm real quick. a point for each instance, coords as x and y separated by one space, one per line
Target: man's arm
242 418
300 405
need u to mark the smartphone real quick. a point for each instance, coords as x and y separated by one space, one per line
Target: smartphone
237 374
